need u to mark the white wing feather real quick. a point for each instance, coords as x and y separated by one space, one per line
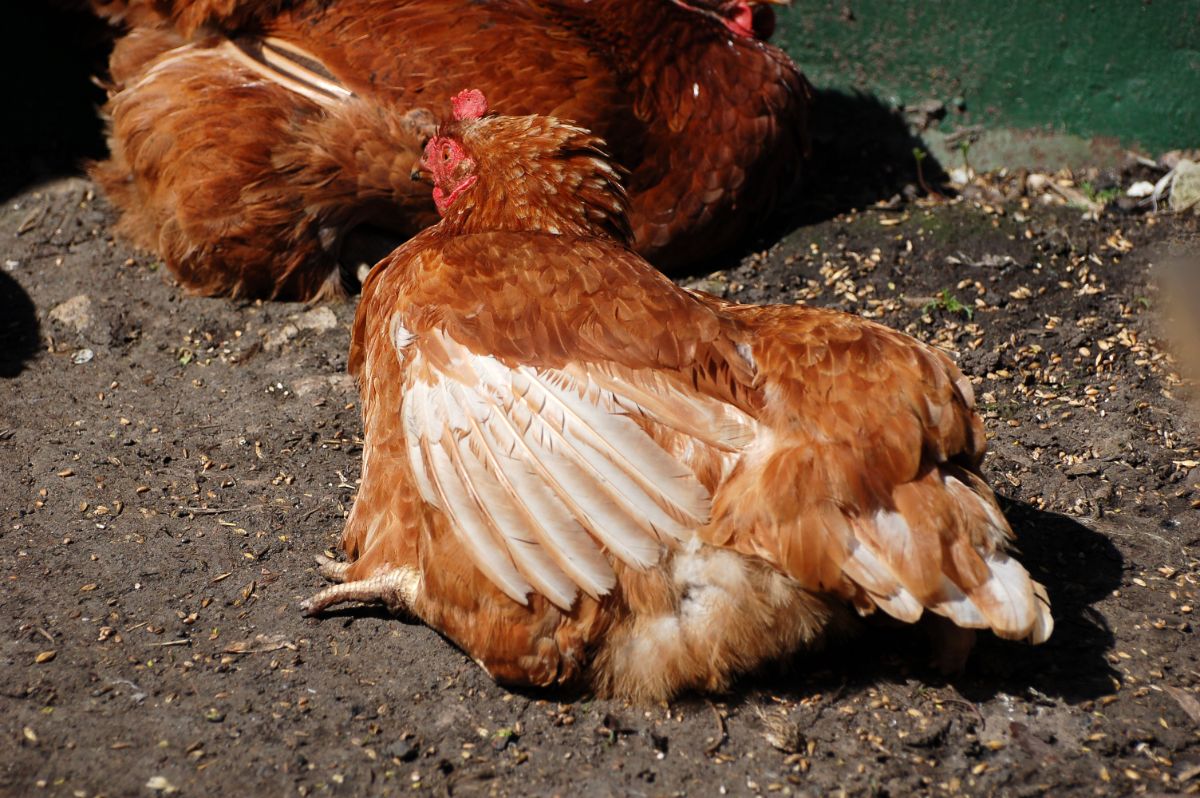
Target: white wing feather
627 454
458 502
566 540
541 472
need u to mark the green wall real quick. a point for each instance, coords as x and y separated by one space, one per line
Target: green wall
1128 69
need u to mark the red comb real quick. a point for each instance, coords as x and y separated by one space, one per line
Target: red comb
469 104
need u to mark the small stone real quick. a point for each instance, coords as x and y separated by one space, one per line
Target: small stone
160 784
82 356
1185 186
307 385
277 338
319 319
336 383
75 313
404 750
1140 189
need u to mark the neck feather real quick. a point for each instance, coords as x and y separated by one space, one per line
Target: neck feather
537 174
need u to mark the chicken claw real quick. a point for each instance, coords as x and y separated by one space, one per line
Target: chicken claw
332 570
396 589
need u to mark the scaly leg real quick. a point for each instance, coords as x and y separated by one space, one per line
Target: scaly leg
396 589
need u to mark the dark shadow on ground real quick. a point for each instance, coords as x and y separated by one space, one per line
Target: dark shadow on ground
50 49
1078 568
862 154
18 327
344 615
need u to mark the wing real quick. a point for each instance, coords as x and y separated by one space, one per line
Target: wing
542 472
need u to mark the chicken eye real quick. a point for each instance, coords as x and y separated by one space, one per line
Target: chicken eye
446 153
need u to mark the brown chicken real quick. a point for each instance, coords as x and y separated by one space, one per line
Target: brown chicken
249 138
580 472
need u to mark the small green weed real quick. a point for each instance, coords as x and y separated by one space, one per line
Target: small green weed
949 303
1103 197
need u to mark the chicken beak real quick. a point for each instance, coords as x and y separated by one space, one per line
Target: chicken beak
419 173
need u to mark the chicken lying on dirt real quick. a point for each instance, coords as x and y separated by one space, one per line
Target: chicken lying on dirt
249 138
582 473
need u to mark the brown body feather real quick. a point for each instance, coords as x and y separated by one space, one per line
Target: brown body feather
813 460
220 165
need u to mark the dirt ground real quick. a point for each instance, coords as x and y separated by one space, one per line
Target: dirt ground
169 465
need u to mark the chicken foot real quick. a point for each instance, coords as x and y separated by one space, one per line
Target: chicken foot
396 589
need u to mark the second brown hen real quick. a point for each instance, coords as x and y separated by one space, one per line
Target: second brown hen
248 138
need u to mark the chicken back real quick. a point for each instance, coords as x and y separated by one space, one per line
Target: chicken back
582 473
249 137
